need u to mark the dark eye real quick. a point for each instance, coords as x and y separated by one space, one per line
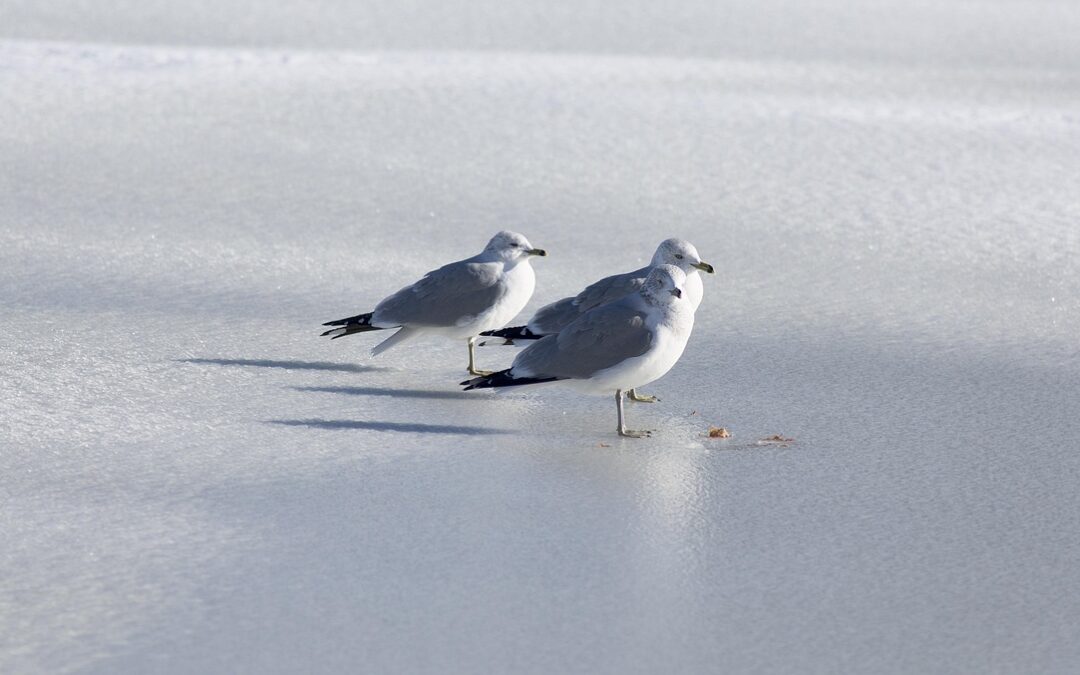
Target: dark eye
678 256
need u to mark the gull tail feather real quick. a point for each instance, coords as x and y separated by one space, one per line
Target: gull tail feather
394 340
361 323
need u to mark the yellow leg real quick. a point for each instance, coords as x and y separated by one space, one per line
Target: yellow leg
472 360
623 431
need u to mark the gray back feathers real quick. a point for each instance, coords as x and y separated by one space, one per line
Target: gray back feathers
558 315
444 296
595 341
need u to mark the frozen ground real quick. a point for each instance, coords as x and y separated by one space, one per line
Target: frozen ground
192 481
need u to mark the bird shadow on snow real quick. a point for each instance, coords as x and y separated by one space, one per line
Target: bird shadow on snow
395 393
288 365
410 427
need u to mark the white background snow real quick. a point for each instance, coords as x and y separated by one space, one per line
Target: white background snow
192 481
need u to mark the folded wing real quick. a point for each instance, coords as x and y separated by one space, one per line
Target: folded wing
559 314
600 339
444 297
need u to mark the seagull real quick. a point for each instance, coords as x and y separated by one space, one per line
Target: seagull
458 300
615 347
556 316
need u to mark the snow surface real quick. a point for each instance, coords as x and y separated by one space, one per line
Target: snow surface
192 481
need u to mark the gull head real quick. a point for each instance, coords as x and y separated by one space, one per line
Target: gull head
680 253
664 284
511 247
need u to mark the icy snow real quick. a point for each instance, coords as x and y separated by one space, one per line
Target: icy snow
191 480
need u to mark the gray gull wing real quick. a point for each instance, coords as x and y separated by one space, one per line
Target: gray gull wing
600 339
444 297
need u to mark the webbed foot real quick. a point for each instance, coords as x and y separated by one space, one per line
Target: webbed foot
641 398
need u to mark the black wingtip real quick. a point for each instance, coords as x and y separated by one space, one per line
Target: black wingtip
482 381
358 320
361 323
513 333
486 381
503 378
